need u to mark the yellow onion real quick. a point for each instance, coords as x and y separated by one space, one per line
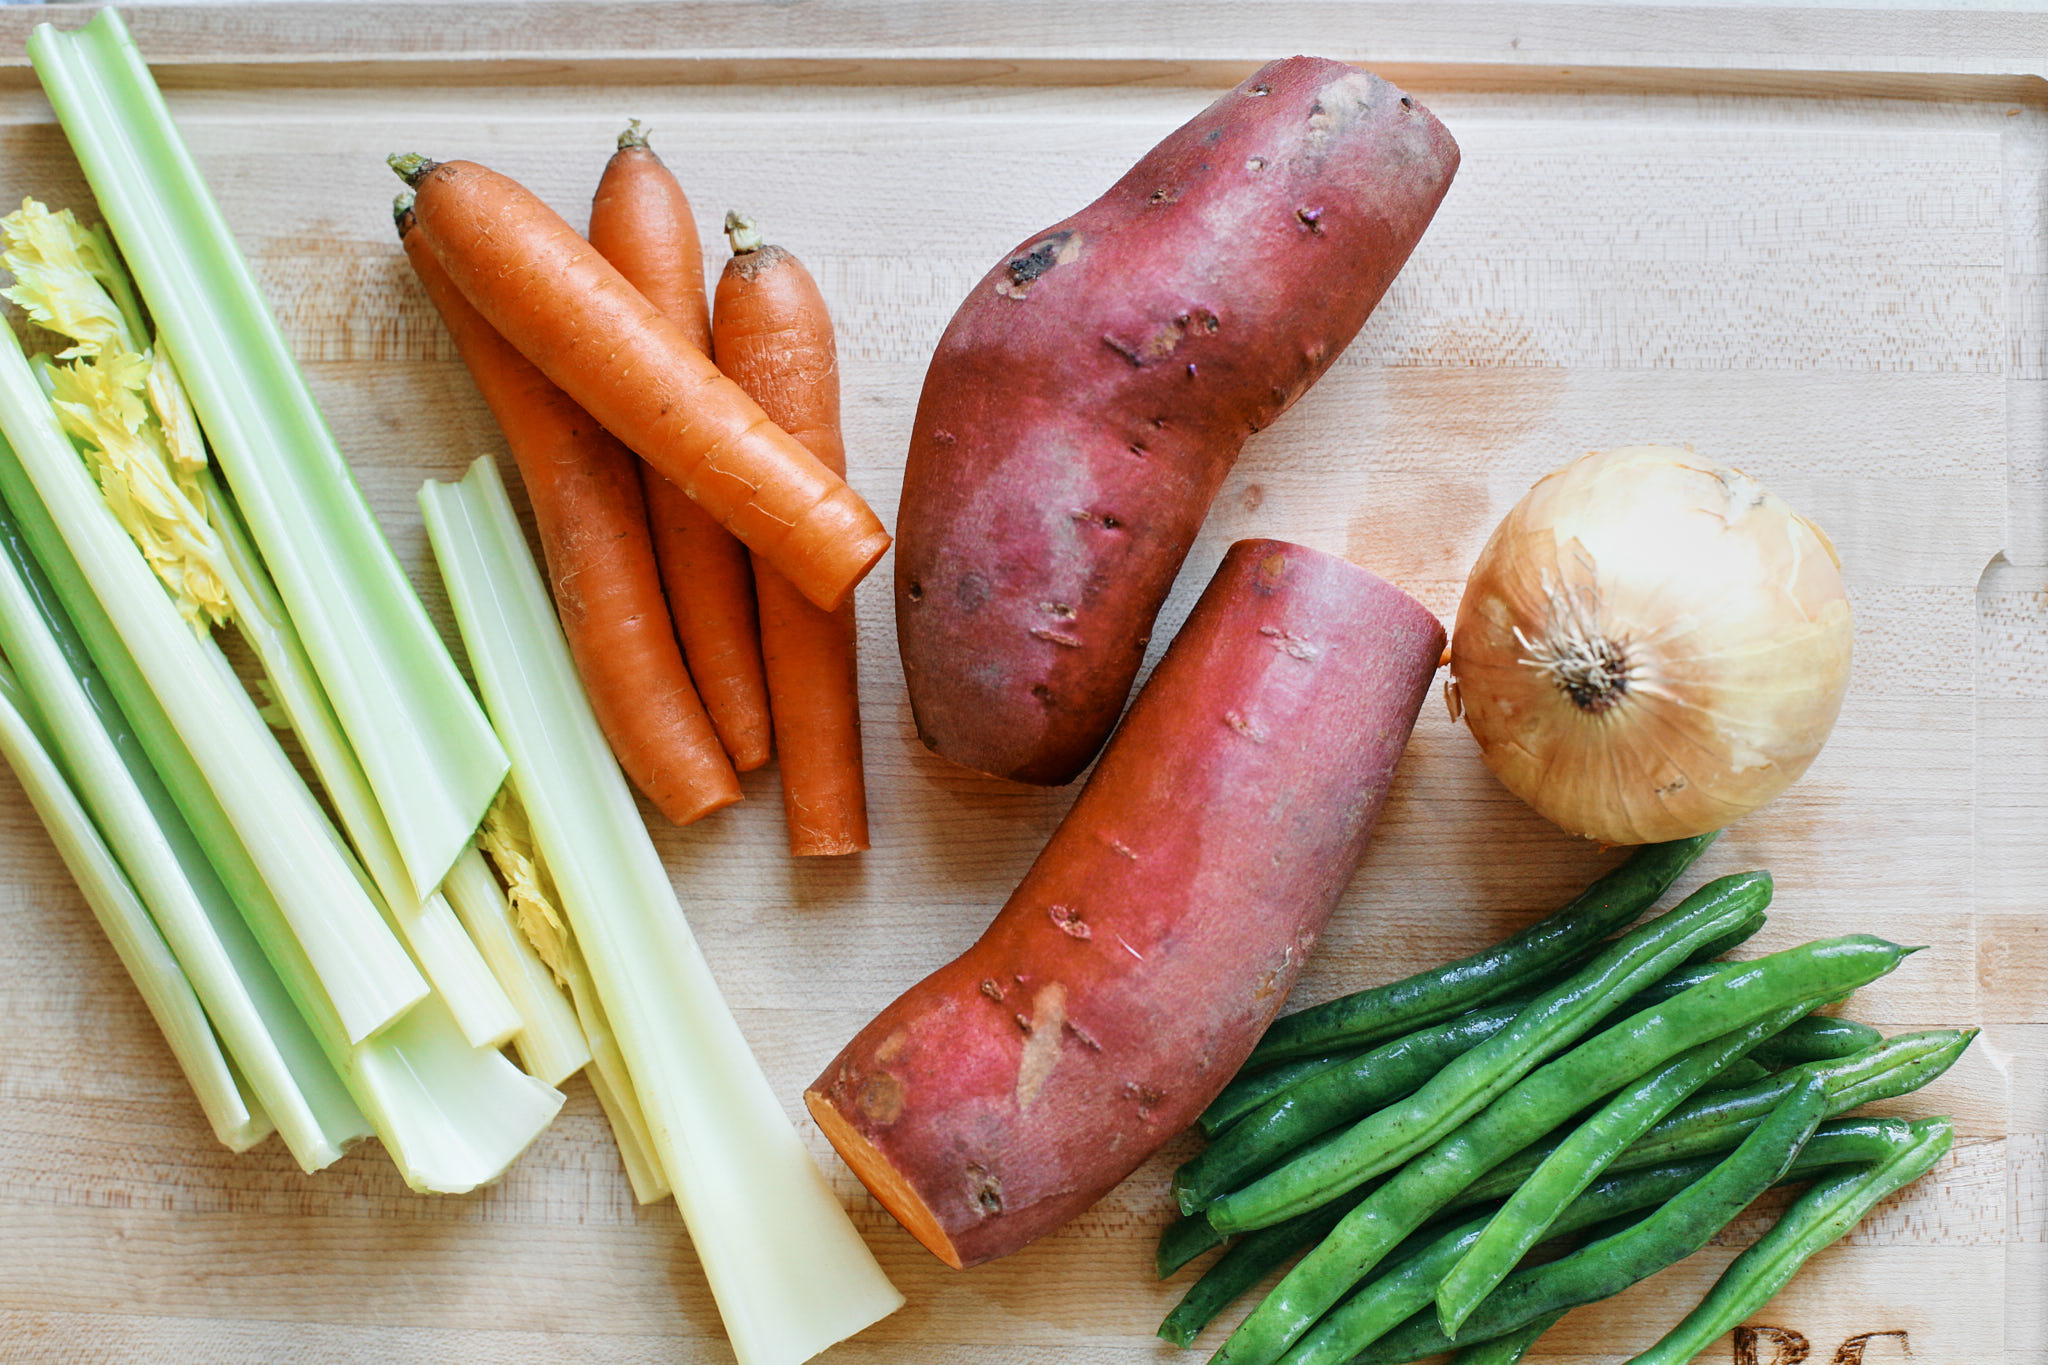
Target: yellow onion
1650 646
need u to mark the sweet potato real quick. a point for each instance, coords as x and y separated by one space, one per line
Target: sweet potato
1162 926
1089 397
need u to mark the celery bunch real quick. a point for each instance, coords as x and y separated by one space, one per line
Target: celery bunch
424 747
309 978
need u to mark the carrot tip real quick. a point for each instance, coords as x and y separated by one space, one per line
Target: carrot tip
411 166
634 136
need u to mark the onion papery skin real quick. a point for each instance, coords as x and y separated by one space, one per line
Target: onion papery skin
1651 645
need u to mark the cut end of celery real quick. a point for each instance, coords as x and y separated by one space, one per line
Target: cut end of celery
426 1063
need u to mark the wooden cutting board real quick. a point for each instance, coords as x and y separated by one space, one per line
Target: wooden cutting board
1808 242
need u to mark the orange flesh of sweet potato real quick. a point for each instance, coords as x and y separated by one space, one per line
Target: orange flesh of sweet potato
1162 926
1088 398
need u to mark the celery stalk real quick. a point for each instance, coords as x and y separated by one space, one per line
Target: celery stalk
451 1116
360 963
636 1148
462 978
507 836
428 926
237 1120
262 1032
425 748
790 1274
550 1042
124 405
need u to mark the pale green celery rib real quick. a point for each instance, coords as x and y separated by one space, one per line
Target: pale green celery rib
361 964
236 1117
629 1130
550 1042
462 978
443 951
452 1116
48 621
612 1079
426 749
790 1274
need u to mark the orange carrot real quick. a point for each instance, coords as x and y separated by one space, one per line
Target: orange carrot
640 221
549 293
593 531
772 335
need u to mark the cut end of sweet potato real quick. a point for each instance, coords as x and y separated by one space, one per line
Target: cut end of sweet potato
883 1180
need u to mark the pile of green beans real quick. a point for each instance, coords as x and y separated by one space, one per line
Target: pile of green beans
1558 941
1419 1139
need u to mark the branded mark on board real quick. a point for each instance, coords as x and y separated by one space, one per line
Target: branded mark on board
1791 1348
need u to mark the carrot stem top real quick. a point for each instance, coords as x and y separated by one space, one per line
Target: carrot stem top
411 166
741 232
634 136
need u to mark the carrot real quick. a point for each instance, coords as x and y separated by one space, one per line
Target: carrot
549 293
640 221
773 337
593 531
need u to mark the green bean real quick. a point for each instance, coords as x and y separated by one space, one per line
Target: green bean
1840 1142
1315 1103
1739 1073
1344 1093
1821 1038
1509 1349
1411 1280
1544 948
1190 1235
1583 1155
1823 1215
1685 1223
1800 977
1181 1241
1254 1091
1407 1287
1254 1136
1700 966
1257 1254
1250 1088
1728 942
1552 1022
1247 1262
1716 1121
1253 1086
1808 974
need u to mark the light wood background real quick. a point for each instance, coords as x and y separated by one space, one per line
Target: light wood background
1808 243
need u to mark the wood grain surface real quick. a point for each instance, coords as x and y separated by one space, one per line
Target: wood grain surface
1835 277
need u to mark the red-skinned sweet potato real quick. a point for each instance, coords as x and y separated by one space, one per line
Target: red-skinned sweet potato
1162 926
1089 397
